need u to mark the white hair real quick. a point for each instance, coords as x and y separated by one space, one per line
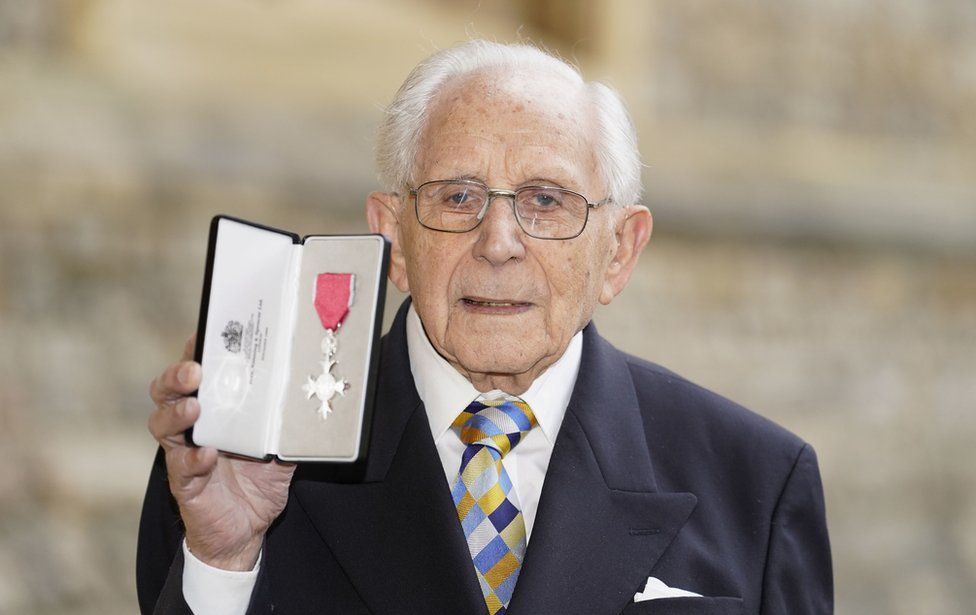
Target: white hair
406 118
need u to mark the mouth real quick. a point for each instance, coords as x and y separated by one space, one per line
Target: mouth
485 305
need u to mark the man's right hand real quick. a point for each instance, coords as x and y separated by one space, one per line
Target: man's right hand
226 503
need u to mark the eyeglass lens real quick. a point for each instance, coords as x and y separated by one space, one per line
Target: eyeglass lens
544 212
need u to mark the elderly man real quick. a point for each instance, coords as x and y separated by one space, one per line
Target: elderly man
518 462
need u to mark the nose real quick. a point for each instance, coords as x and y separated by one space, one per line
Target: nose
499 234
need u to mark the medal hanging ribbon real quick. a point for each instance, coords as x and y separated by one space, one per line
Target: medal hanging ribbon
333 298
334 294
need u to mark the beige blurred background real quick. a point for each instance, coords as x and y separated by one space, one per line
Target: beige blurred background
811 165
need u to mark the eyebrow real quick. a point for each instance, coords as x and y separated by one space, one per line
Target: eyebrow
470 178
535 181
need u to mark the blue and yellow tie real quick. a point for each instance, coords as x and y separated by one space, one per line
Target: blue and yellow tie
487 504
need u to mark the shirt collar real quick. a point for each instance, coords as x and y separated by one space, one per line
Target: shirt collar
445 392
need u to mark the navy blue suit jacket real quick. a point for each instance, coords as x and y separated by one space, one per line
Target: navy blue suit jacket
650 475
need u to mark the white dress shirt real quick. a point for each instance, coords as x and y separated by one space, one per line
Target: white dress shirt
445 393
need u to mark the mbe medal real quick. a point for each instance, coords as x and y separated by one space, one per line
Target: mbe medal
334 293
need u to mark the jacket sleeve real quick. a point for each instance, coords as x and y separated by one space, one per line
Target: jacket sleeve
159 558
798 577
170 601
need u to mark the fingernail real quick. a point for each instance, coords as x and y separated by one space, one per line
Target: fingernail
190 404
185 373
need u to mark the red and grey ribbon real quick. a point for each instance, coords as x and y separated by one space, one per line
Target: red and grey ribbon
333 296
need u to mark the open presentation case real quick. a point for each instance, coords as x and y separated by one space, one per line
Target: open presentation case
288 339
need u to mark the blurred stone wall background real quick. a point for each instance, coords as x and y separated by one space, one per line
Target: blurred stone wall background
811 165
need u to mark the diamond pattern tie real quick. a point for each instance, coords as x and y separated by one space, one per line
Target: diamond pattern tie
487 504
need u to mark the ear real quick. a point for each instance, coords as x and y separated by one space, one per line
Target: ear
382 214
633 230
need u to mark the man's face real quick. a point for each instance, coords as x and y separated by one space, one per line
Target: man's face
495 302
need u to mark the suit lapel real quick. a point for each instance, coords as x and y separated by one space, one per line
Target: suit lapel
396 534
601 523
600 528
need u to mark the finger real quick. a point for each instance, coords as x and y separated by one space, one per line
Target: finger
178 380
200 461
168 421
193 462
189 349
185 464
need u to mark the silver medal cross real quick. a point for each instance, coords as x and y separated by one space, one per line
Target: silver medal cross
325 385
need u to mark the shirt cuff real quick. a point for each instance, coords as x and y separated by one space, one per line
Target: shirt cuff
215 591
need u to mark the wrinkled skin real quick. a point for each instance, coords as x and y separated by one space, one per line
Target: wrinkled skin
226 503
498 305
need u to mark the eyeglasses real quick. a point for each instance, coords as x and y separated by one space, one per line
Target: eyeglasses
543 212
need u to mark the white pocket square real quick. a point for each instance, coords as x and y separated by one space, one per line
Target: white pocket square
655 588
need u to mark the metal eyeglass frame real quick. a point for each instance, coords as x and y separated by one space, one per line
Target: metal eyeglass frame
491 193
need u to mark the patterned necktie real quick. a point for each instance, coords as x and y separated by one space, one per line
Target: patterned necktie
487 504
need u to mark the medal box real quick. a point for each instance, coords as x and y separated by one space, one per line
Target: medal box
288 339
